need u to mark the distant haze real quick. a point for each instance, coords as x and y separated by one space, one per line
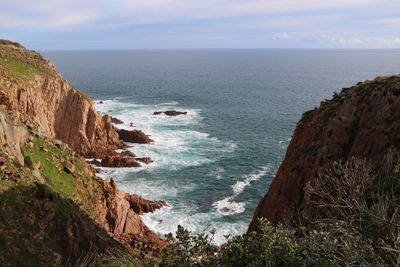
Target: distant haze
154 24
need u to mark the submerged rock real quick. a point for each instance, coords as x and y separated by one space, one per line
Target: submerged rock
170 113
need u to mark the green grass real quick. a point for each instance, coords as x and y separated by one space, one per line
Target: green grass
22 65
37 215
21 69
79 186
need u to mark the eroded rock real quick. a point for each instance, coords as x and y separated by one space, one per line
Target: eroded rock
134 136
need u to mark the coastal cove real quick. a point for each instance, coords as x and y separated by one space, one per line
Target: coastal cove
215 163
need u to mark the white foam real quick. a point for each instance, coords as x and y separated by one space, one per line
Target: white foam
176 145
283 144
239 186
167 219
172 103
217 173
228 206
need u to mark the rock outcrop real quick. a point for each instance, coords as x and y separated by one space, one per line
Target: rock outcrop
11 136
116 120
135 136
123 220
119 161
170 113
362 121
32 88
140 205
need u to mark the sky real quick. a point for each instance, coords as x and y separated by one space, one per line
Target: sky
171 24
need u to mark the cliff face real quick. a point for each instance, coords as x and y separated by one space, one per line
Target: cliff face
54 209
31 87
12 136
362 121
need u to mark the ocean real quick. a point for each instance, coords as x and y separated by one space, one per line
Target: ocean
214 164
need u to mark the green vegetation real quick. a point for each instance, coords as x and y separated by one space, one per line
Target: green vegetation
21 69
20 65
47 212
54 160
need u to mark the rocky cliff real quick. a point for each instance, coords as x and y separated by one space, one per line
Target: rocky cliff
32 88
362 121
53 208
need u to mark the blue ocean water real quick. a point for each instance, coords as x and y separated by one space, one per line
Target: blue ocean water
214 164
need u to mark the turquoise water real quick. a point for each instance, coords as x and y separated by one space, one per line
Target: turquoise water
214 164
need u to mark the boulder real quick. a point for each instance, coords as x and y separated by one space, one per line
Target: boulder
140 205
119 161
69 168
135 136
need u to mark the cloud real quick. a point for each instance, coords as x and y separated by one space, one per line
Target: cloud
179 23
66 13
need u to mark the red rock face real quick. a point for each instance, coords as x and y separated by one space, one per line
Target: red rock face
122 217
60 110
363 121
119 161
141 205
135 136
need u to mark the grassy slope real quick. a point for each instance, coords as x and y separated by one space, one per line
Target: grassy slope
42 220
20 65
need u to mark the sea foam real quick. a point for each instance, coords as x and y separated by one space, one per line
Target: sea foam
228 206
178 144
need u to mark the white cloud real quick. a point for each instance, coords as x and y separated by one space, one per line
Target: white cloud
67 13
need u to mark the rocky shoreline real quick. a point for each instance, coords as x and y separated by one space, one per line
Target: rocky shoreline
50 128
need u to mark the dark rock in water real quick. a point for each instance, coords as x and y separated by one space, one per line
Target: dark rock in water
131 124
145 160
170 113
116 121
119 161
101 102
135 136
